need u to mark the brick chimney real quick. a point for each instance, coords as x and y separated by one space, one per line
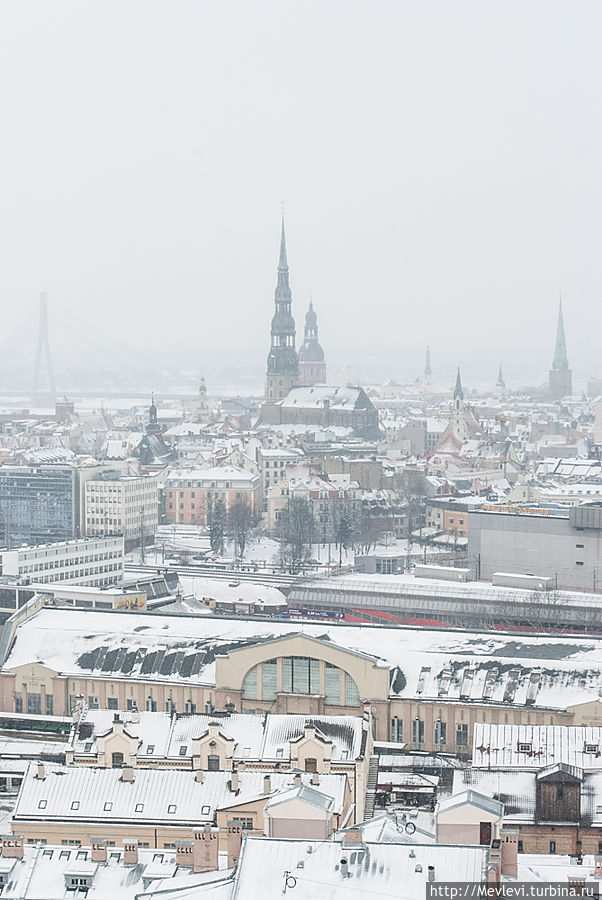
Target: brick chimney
199 775
509 838
130 853
234 842
267 784
12 846
99 850
205 849
184 853
127 773
353 837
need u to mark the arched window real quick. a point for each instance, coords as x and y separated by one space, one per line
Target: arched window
213 763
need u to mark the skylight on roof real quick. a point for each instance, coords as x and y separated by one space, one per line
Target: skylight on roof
139 807
171 808
183 750
150 749
75 804
204 810
108 806
42 804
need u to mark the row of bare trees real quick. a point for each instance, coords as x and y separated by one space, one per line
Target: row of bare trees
236 523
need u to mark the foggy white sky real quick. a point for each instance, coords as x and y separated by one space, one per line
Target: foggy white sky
440 164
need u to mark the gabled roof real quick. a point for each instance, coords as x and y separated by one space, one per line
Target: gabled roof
305 794
473 798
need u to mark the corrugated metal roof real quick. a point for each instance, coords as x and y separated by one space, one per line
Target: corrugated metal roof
536 746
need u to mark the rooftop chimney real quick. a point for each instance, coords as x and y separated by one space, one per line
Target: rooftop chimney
184 853
352 836
297 779
315 778
430 873
234 780
41 772
134 716
199 775
99 850
267 784
12 846
130 853
344 867
127 773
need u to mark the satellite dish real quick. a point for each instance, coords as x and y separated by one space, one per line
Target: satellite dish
410 828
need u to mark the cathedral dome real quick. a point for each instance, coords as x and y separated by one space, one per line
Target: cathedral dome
311 351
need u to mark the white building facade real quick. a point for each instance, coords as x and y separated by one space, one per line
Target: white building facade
90 562
127 506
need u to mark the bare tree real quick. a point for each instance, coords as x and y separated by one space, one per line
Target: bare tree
296 533
217 526
241 522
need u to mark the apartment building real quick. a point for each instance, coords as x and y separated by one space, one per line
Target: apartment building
92 562
126 505
189 494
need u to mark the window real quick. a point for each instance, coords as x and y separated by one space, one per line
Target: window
244 822
396 729
300 675
213 763
204 810
112 703
552 846
591 748
49 705
440 733
42 804
462 735
150 749
139 807
520 847
34 704
171 808
418 731
18 703
75 804
524 748
352 695
108 806
332 685
269 672
116 760
580 546
311 764
92 702
579 563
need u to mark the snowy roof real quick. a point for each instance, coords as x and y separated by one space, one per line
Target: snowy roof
170 796
233 591
534 746
373 870
474 798
517 790
216 473
314 397
493 668
305 794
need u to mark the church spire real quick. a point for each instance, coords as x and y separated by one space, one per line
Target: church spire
561 361
458 392
282 262
500 378
427 363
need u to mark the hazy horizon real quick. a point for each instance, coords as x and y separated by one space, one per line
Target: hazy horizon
439 165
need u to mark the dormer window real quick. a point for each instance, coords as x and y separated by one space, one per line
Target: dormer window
183 750
591 748
87 747
279 752
524 747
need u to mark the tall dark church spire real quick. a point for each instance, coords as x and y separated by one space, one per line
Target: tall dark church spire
561 377
283 363
561 360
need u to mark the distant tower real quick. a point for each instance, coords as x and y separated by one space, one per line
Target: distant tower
561 377
500 380
43 349
283 363
427 366
153 426
312 367
203 406
458 394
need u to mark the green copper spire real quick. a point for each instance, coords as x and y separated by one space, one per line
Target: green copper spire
282 262
561 360
458 392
